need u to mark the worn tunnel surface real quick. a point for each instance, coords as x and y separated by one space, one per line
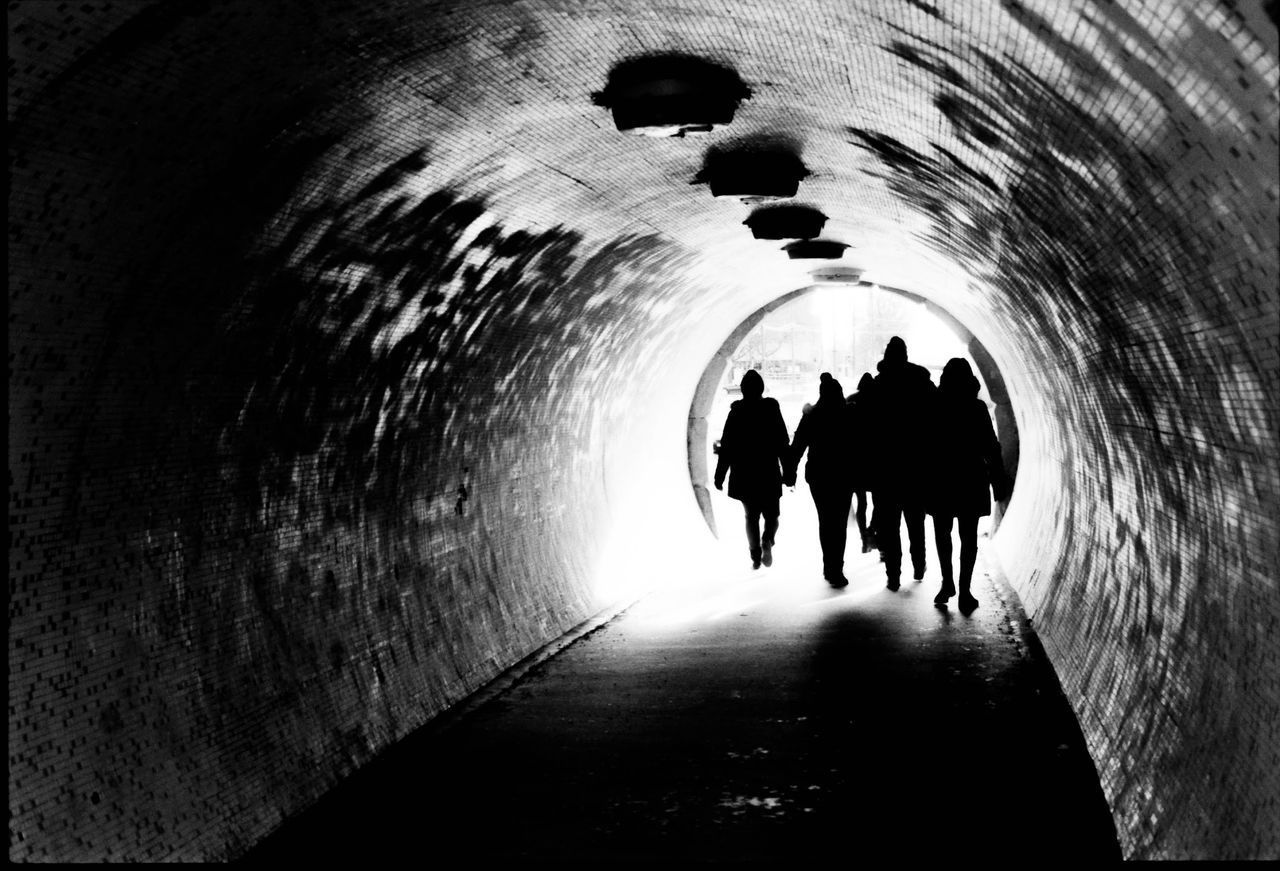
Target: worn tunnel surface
354 351
747 717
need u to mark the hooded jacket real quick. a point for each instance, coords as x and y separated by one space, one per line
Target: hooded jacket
858 447
825 432
965 453
901 411
753 448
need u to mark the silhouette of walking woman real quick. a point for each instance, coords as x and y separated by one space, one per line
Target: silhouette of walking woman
752 449
966 467
824 432
903 395
860 404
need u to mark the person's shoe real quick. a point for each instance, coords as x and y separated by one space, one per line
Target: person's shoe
892 585
838 581
766 554
948 590
919 575
967 602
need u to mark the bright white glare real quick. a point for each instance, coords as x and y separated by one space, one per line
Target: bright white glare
735 608
653 545
701 588
696 603
931 343
835 306
862 585
836 303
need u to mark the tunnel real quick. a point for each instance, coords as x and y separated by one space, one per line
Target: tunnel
355 347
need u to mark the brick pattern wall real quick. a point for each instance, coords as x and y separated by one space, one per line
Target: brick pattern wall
345 338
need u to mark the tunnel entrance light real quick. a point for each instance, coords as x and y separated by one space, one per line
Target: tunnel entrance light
843 332
786 222
815 249
671 95
753 174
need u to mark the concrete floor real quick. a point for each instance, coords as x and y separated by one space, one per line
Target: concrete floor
747 716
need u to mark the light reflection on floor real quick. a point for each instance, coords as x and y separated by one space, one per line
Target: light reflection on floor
709 579
715 580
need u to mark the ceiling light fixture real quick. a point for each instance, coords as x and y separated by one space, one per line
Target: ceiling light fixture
671 95
786 222
815 249
836 275
753 174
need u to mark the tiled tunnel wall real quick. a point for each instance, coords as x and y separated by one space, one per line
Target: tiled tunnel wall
348 341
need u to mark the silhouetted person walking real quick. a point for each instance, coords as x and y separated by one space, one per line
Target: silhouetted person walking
753 448
824 432
966 466
860 404
903 394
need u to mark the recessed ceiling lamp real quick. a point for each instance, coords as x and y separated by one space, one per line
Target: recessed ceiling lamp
671 95
815 249
836 275
786 222
752 174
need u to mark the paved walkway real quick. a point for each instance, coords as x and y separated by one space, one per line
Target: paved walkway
747 716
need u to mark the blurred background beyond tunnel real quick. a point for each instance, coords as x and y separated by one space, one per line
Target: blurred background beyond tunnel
355 352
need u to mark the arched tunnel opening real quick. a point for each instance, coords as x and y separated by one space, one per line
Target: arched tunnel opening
353 349
847 287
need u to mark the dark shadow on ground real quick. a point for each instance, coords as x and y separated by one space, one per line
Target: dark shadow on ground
794 723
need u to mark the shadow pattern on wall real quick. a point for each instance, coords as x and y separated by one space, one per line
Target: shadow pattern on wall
365 476
1151 408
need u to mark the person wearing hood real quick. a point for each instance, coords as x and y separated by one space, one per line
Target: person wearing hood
753 448
903 395
966 466
824 432
860 404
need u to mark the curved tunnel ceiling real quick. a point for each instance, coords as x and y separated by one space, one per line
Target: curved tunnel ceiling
348 342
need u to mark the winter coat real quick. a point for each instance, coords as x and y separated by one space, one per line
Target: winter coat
901 412
858 447
825 433
752 450
966 461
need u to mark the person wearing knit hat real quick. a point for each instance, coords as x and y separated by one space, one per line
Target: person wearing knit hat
753 448
823 432
860 404
903 397
966 468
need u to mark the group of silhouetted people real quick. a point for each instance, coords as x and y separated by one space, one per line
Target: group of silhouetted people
916 447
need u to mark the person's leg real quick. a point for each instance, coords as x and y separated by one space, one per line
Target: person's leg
968 525
753 532
822 508
840 501
771 510
833 521
818 493
889 513
874 524
915 535
942 543
860 515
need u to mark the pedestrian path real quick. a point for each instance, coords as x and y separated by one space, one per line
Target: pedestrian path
746 717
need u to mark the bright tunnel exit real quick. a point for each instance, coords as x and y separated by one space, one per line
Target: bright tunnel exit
841 330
